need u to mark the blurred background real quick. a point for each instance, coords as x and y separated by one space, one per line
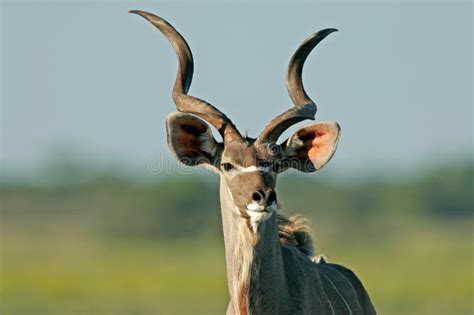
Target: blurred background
97 217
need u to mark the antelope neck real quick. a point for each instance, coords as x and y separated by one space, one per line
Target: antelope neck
254 260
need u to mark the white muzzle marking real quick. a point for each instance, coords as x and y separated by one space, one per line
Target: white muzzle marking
259 214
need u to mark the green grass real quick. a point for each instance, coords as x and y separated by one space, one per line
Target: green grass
417 272
64 269
110 245
76 274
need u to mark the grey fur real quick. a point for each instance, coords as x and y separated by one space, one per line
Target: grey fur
283 278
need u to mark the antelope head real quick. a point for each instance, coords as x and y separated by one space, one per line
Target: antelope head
248 167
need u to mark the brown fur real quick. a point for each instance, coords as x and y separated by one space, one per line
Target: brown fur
244 252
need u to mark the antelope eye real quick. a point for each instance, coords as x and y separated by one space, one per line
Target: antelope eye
227 166
264 164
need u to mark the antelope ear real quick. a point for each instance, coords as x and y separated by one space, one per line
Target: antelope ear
311 147
190 139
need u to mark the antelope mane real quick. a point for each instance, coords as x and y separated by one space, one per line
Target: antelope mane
294 231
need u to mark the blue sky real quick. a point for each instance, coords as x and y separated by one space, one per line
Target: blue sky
90 78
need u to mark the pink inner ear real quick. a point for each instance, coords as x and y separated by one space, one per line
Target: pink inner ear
322 141
318 149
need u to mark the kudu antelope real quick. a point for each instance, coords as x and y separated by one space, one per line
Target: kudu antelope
270 267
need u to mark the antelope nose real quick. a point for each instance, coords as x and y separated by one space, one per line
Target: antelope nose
258 197
264 199
272 198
